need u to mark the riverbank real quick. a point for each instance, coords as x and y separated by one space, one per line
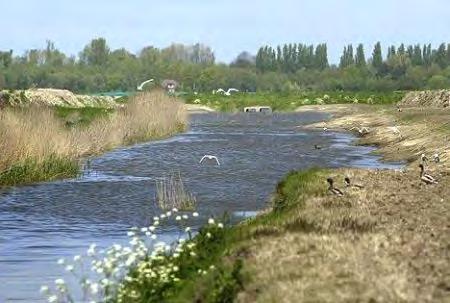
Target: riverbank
37 145
385 242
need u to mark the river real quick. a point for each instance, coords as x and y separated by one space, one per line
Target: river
43 222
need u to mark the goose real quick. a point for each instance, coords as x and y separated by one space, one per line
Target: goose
436 158
349 184
424 159
210 157
317 146
332 189
428 179
141 86
362 131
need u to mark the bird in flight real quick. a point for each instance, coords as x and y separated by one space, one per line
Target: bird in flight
210 157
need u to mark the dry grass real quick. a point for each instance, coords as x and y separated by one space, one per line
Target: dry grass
172 193
34 133
387 242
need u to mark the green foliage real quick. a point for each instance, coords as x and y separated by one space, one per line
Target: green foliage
31 170
295 66
81 116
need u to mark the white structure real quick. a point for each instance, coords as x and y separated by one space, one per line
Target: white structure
141 86
226 93
258 109
210 157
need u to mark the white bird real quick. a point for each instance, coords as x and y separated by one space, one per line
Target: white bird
210 157
220 90
230 90
394 129
362 131
325 129
141 86
436 158
427 178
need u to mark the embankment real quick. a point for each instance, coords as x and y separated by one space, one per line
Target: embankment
53 97
36 145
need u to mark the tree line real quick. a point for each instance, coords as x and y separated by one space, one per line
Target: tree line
284 68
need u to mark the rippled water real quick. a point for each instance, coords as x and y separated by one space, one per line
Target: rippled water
42 222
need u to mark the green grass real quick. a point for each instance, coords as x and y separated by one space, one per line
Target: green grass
31 170
81 116
291 101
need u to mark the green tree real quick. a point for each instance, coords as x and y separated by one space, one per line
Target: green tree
377 57
360 59
95 53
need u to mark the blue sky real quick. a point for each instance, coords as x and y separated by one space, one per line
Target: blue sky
228 26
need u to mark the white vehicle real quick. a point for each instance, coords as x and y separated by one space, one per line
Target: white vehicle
258 109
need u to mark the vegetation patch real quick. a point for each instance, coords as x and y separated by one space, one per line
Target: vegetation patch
290 101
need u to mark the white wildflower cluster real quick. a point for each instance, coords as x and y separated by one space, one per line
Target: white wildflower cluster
106 274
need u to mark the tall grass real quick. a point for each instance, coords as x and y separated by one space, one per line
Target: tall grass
172 193
32 137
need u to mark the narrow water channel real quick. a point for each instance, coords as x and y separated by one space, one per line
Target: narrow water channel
43 222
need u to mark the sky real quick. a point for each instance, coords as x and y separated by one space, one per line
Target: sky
228 26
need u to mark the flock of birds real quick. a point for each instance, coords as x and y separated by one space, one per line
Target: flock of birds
424 177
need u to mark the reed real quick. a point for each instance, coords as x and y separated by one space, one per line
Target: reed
32 137
171 193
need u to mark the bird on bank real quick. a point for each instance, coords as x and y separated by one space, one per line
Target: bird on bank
424 159
362 131
436 158
349 184
332 189
325 129
427 178
210 157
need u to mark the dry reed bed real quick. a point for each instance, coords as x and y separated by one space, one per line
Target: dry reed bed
34 133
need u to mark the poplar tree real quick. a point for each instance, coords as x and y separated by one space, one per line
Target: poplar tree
360 59
377 57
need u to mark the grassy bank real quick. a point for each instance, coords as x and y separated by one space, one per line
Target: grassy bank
38 145
290 101
385 242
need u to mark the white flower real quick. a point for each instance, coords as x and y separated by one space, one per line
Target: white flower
61 261
168 214
188 229
77 258
44 289
144 229
195 214
185 217
94 288
162 216
178 218
210 221
176 255
220 225
156 223
155 218
69 268
52 299
153 237
130 233
59 282
148 234
208 235
152 228
175 210
212 267
175 268
193 254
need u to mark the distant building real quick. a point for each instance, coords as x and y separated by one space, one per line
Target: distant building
170 85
